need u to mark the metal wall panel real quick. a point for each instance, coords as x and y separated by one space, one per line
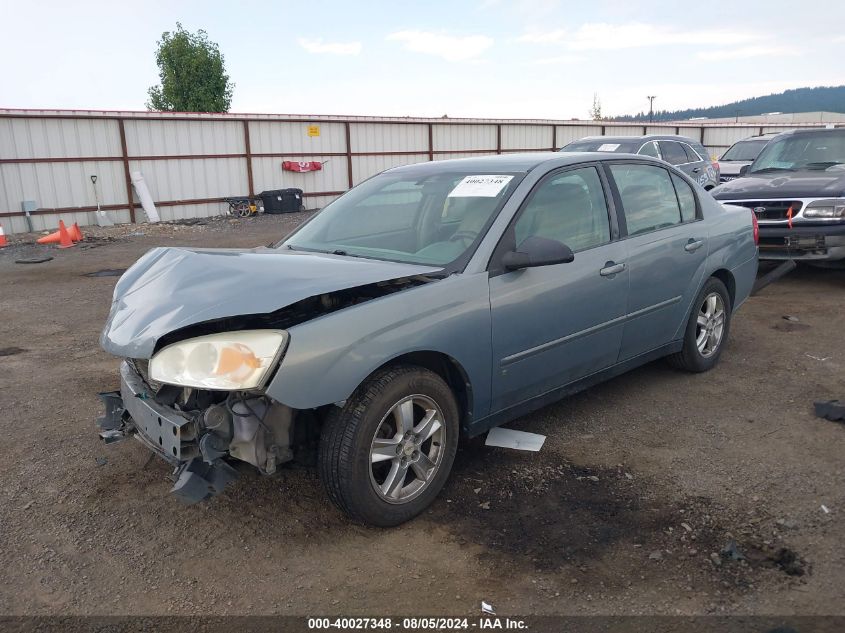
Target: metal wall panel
58 138
568 133
452 136
267 173
453 155
624 130
691 131
526 137
56 185
365 166
172 179
317 202
173 138
270 137
387 137
723 137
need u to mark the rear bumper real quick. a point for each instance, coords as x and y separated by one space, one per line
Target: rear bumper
803 243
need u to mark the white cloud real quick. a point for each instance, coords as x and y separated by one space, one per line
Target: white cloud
453 48
559 60
604 36
543 37
317 45
747 51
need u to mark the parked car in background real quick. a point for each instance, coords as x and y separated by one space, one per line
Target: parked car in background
741 154
686 154
796 187
431 300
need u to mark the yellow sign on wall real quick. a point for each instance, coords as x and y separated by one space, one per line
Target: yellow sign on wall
313 130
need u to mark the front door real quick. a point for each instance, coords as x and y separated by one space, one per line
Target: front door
555 324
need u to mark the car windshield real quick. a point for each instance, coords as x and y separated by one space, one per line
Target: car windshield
420 219
817 150
744 150
603 145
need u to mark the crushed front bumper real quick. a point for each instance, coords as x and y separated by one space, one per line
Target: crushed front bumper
133 412
803 243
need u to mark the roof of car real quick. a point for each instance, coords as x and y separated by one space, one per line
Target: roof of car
811 130
643 138
523 162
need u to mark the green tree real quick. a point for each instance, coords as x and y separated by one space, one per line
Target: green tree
193 74
595 111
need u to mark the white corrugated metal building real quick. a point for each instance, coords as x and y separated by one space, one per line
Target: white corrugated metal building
191 162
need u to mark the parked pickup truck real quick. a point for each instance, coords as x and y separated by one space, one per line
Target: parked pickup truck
796 188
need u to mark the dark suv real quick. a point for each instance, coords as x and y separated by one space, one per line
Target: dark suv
796 188
686 154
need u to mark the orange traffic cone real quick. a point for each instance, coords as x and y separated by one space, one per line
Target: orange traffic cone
3 241
64 236
76 233
53 238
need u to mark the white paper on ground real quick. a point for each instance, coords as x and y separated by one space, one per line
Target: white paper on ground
608 147
487 608
520 440
480 186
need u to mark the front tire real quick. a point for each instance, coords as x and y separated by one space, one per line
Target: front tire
707 329
386 454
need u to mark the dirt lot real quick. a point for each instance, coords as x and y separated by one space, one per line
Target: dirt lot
641 483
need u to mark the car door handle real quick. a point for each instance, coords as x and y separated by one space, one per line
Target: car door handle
610 269
696 170
693 245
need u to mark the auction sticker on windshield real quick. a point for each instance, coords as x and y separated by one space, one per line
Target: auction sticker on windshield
480 187
608 147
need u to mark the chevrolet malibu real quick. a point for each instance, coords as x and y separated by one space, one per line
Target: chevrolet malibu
429 302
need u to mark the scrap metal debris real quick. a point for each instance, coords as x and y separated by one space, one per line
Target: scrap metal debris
520 440
832 410
11 351
34 260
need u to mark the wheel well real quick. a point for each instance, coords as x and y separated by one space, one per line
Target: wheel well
448 369
727 278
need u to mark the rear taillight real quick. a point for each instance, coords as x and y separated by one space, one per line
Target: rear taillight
756 227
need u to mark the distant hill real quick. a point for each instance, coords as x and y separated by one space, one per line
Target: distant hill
827 99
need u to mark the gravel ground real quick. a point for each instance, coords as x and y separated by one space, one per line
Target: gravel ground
642 483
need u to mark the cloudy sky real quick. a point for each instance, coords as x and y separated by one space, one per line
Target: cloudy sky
488 58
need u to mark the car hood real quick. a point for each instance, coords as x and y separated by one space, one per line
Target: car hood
171 288
799 184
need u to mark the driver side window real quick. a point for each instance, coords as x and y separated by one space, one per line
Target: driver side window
570 208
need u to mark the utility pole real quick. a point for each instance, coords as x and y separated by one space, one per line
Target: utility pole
651 99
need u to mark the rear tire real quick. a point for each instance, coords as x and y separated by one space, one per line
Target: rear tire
707 329
387 453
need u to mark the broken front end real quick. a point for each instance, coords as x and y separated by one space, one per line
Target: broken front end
198 428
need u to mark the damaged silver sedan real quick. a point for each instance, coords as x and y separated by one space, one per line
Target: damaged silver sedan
429 302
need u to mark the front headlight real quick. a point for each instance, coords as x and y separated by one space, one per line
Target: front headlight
834 208
226 361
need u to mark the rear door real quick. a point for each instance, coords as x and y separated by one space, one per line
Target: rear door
555 324
666 248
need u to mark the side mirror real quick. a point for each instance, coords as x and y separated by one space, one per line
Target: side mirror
537 251
744 170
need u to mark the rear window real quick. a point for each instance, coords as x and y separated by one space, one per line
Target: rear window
603 145
744 150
